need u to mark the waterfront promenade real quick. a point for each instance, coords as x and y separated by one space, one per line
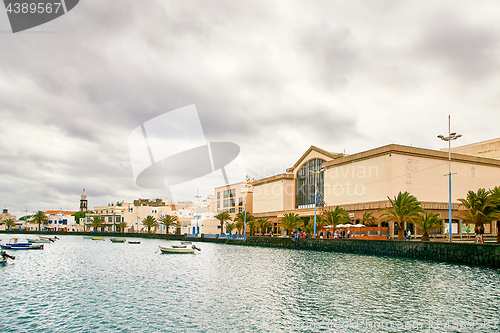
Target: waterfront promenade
487 254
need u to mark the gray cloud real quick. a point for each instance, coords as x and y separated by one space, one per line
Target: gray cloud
273 78
469 51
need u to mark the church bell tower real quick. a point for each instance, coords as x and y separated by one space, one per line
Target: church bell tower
83 202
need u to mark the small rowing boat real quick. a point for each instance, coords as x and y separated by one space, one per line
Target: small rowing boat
178 250
117 240
134 242
3 257
37 241
179 246
97 238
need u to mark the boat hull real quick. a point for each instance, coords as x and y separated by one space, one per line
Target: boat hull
176 250
118 240
22 246
41 241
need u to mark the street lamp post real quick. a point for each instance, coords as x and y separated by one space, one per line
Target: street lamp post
449 138
315 195
246 186
137 225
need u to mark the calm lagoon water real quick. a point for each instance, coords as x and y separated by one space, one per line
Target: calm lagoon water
81 285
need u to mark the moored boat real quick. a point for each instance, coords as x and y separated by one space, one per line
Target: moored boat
179 246
178 250
97 238
117 240
15 245
134 242
43 241
3 257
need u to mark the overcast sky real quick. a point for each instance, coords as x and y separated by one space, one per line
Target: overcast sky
273 77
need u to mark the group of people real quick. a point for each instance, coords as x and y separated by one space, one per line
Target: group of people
297 234
336 234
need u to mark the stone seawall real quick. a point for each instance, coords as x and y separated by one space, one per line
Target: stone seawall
463 253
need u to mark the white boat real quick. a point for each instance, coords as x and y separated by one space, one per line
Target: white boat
178 250
179 246
187 243
44 240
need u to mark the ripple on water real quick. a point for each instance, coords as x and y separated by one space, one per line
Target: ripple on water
77 285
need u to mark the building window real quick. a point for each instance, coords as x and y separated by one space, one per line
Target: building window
240 201
232 210
226 194
240 209
218 195
233 203
226 203
304 184
218 204
110 219
233 193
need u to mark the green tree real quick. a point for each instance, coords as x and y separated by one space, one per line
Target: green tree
122 225
240 218
291 221
230 227
78 216
10 223
337 216
495 194
40 218
150 222
168 220
404 208
263 224
369 220
223 216
427 222
320 223
480 208
97 223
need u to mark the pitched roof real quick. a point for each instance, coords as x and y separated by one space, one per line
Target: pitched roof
319 150
55 212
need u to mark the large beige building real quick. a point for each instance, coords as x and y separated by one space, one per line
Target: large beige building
362 182
233 198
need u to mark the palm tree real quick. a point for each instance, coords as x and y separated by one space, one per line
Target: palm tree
428 222
404 208
480 208
369 220
40 218
122 226
9 223
240 218
495 194
149 222
168 220
223 216
97 223
291 221
336 216
263 224
252 225
320 223
230 227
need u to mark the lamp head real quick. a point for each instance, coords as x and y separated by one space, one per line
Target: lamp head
440 136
